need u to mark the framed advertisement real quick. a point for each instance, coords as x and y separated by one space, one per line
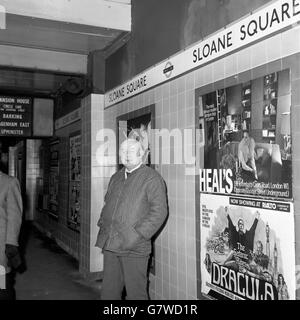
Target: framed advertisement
54 179
247 146
74 181
245 252
138 125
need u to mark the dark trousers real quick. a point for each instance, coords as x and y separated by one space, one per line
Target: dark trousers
9 292
120 271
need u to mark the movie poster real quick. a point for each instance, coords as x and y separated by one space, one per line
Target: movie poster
74 205
247 147
54 178
75 155
74 182
245 252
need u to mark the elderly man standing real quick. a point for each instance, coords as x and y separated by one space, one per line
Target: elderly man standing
135 209
11 209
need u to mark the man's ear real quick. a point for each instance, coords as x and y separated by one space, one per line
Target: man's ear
141 153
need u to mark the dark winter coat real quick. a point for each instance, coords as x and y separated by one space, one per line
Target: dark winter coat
135 208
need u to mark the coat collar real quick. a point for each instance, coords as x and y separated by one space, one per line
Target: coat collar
133 172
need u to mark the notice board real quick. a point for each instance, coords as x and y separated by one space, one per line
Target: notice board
15 116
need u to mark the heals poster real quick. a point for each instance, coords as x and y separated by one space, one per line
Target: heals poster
246 254
246 142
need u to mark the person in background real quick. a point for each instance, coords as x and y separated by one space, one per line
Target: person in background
239 237
246 154
207 262
258 261
11 209
283 293
135 209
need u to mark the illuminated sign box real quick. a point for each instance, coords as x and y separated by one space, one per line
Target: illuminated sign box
15 116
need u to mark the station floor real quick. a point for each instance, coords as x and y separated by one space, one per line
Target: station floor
49 273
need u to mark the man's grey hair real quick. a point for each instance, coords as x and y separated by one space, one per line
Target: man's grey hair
133 141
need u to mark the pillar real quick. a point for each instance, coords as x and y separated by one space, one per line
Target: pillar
94 181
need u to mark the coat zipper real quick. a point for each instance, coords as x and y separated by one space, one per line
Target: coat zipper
112 218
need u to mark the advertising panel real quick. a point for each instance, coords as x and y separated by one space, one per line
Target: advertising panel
54 178
245 252
74 182
247 138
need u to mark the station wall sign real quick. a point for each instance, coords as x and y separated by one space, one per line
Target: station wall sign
256 26
15 116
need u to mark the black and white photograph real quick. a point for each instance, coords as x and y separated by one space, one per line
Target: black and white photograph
149 151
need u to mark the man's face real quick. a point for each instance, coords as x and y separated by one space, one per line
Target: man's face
130 155
228 121
246 136
241 225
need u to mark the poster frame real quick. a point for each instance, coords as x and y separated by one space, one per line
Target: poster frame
277 248
54 178
264 185
74 183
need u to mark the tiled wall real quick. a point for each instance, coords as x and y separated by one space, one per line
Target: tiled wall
67 238
93 179
80 245
177 248
85 189
275 54
32 173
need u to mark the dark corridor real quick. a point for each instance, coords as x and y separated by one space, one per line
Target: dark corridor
49 273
